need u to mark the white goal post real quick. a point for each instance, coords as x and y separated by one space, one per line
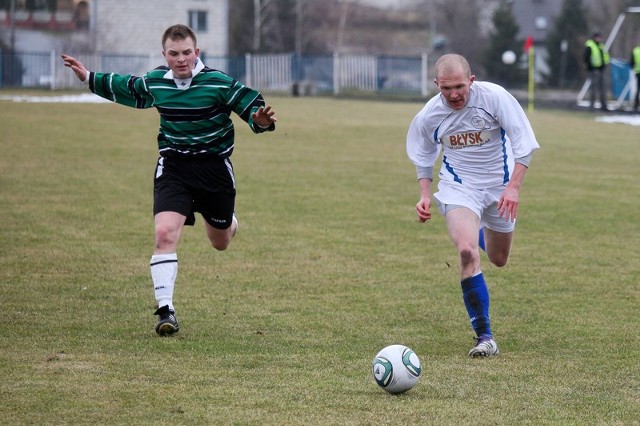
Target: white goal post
625 91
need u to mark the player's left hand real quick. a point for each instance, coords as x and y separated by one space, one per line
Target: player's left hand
264 116
508 205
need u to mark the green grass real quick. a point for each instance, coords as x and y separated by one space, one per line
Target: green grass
329 266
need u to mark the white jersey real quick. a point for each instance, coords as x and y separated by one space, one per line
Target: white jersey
479 142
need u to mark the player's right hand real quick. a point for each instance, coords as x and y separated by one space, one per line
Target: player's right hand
77 67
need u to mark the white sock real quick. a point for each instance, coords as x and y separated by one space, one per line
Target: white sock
164 269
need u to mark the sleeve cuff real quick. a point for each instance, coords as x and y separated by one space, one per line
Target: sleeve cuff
424 172
525 160
261 129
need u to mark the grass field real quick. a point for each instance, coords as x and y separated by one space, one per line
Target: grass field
328 267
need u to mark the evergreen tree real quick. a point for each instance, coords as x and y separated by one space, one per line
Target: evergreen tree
503 38
567 68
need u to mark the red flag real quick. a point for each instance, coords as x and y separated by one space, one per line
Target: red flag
528 43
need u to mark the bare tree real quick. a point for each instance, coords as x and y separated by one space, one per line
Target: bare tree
459 22
257 24
324 26
272 24
344 13
299 26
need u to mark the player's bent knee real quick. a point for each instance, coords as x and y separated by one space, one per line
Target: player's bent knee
468 256
165 236
220 246
221 242
499 260
220 238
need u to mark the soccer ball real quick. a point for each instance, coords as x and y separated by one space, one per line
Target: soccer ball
396 369
509 57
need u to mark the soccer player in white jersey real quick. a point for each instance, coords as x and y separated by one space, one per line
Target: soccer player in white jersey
487 144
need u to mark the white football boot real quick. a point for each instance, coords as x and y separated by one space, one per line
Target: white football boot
485 346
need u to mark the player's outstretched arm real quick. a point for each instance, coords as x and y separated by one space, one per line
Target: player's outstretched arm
264 116
77 67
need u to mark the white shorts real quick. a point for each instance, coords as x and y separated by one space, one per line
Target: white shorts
483 202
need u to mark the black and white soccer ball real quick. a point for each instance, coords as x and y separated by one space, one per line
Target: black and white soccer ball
396 369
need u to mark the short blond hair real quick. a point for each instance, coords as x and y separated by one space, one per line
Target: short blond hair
452 62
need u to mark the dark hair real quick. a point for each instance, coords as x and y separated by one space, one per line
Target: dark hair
179 32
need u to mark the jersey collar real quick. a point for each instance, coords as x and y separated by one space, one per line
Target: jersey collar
185 83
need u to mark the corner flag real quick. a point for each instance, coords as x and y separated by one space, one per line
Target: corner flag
528 48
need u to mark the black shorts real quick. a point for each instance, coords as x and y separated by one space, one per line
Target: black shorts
195 184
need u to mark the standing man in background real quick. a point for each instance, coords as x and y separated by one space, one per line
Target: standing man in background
596 59
195 142
487 144
635 66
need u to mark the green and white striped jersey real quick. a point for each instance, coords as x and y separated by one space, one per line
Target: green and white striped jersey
194 113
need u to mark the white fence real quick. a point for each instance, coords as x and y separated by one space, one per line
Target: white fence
268 71
359 73
284 73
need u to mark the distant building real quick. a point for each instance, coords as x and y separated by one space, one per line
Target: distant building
112 26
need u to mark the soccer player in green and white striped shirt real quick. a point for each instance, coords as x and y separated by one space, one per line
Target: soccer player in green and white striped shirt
195 141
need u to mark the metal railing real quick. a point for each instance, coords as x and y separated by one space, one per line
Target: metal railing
282 73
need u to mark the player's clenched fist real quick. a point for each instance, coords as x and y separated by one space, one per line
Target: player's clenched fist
422 209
